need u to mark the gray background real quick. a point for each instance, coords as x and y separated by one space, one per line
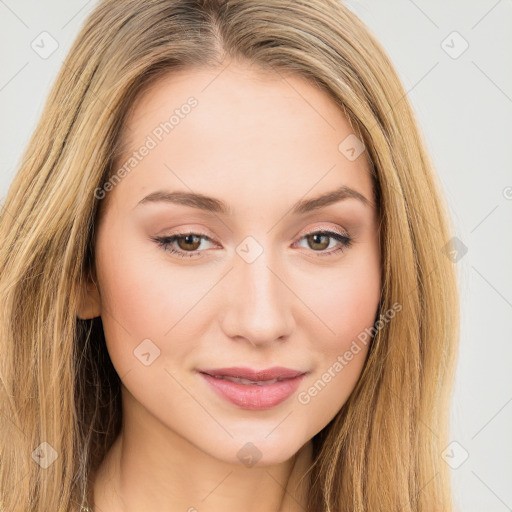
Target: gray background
463 101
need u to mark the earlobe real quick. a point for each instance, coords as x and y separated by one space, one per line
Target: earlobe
90 304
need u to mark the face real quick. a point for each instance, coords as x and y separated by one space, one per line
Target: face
186 286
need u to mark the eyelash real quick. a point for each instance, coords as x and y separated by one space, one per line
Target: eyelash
166 241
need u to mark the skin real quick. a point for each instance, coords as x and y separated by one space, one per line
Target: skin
260 142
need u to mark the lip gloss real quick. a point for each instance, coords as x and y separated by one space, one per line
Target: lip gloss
254 396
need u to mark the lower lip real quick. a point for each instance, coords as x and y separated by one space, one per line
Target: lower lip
254 396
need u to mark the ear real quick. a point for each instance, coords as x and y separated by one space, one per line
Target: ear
90 303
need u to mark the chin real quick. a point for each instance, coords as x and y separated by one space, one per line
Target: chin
260 449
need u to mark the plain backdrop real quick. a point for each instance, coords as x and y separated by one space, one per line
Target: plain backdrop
455 61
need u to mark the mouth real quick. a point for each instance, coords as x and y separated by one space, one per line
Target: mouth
253 389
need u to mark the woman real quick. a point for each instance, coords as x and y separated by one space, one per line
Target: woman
222 272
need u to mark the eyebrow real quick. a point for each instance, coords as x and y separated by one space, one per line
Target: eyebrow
213 205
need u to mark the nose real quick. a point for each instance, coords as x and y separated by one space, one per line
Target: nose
258 303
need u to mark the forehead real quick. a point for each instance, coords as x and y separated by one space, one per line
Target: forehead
249 131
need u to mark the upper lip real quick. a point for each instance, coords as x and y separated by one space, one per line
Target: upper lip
276 372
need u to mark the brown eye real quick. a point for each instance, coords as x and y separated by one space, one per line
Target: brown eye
319 241
315 241
188 242
185 245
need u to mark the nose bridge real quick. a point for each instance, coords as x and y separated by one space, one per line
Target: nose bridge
264 289
259 302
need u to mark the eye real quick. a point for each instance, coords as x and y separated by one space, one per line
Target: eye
189 243
320 240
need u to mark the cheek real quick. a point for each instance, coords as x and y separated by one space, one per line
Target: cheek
145 297
138 288
347 303
347 309
131 301
127 291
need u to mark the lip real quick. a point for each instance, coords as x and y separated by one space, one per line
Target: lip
254 396
276 372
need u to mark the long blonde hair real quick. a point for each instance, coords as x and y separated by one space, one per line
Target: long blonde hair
382 451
